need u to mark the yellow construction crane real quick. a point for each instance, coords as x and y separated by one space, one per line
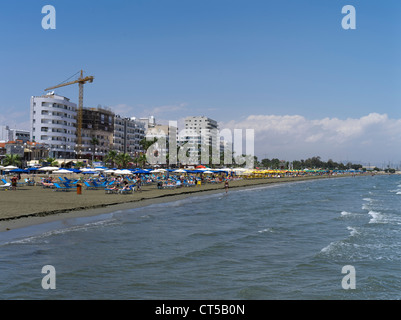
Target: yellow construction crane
81 81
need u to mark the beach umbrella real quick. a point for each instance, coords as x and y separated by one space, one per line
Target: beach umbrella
89 172
109 171
123 172
48 168
62 171
180 170
10 168
208 171
126 171
141 171
18 171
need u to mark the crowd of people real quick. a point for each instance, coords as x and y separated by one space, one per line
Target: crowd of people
121 183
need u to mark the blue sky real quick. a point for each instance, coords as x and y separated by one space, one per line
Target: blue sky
230 60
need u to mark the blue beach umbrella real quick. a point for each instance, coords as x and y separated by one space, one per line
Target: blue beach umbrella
19 171
140 171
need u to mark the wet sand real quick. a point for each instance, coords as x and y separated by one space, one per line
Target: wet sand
30 205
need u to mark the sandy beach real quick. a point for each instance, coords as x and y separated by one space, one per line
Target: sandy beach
30 205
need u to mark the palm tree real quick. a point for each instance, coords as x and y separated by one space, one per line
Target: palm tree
94 142
142 160
79 164
145 144
123 159
111 158
48 161
12 160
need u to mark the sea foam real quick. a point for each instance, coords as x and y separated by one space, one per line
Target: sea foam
377 217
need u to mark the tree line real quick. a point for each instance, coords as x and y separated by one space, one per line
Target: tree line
310 163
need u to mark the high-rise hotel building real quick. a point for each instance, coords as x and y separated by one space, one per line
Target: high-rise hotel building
53 123
200 132
198 126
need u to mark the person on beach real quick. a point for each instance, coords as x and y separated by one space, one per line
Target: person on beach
138 185
14 183
125 186
226 185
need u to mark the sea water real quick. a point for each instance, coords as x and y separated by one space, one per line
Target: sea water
283 241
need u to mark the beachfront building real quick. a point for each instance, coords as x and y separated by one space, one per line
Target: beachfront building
97 133
20 135
53 123
34 152
8 134
128 133
199 132
166 132
149 122
195 126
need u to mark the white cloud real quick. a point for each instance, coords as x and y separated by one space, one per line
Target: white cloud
167 109
125 110
374 137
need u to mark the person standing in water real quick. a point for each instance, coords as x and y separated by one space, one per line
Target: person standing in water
226 185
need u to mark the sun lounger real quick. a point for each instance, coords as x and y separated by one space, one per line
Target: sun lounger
60 188
5 186
111 190
168 186
187 184
99 186
88 186
68 185
127 191
47 184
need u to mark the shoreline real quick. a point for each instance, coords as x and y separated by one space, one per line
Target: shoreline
150 195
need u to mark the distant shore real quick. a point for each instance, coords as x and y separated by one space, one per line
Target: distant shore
31 205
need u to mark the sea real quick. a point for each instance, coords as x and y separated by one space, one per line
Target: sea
335 238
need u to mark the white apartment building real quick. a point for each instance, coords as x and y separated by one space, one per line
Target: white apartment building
128 133
159 131
8 134
53 123
200 132
197 126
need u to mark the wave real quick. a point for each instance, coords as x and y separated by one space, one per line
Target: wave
365 206
347 214
335 247
353 230
377 217
76 228
266 230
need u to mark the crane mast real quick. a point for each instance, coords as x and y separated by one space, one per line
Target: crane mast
81 81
